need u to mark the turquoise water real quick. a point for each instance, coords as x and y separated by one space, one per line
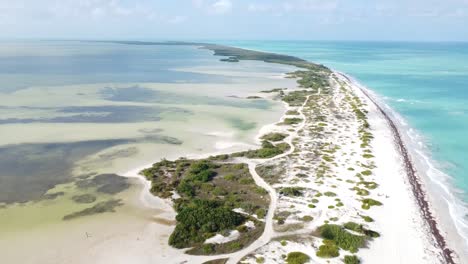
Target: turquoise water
427 83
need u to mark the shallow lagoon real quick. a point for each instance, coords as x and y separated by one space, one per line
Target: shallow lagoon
79 109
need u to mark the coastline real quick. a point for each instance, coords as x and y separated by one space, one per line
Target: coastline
418 189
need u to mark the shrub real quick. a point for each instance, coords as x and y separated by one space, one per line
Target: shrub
260 213
366 173
361 229
367 218
368 202
274 137
260 260
292 121
235 245
246 181
351 260
199 218
297 258
328 250
230 177
330 194
208 248
341 237
292 191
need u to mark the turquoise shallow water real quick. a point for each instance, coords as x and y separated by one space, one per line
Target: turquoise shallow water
427 83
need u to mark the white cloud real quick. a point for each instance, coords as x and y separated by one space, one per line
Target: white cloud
221 6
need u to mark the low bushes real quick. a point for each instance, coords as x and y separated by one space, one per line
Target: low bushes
341 237
328 250
351 259
297 258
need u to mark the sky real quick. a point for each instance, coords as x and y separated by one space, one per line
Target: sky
410 20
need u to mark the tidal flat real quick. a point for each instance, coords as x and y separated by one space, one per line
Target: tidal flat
61 133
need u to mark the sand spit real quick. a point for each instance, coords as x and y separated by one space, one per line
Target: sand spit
415 182
338 170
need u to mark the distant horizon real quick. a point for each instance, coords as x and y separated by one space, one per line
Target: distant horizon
215 40
384 20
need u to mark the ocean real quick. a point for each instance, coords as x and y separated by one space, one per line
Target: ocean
425 83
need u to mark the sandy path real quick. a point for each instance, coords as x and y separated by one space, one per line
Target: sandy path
268 232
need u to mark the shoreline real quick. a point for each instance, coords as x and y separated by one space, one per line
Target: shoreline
419 193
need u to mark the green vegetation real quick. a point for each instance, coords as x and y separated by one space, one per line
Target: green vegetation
368 202
292 112
292 191
366 173
330 194
296 98
197 219
275 90
292 121
297 258
351 259
209 192
312 79
267 151
361 229
328 250
367 218
216 261
341 237
274 137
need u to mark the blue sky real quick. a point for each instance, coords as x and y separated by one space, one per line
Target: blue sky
236 19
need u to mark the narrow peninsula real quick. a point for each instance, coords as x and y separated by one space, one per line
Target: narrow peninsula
329 182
